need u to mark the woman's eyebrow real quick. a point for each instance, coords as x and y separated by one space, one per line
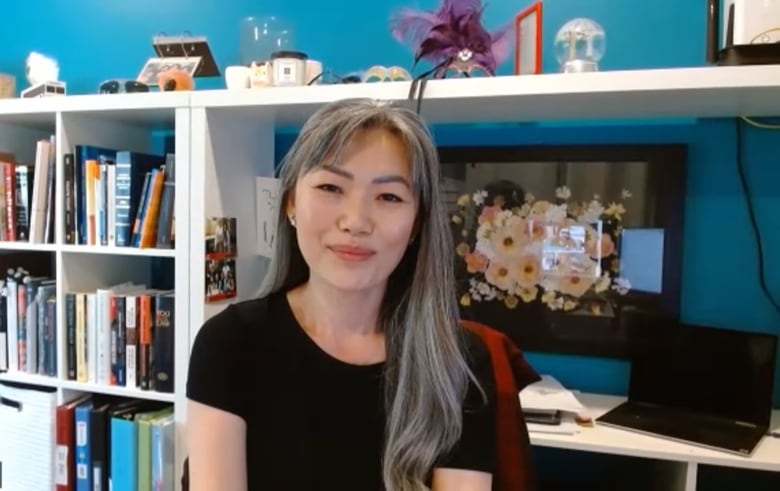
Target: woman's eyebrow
377 180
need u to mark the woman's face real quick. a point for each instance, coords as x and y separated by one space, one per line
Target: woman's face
355 219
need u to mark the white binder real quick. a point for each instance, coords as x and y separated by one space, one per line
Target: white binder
27 437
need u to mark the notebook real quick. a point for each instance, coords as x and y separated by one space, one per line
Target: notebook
701 385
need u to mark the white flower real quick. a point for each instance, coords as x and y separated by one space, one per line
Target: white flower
529 198
483 288
592 213
626 194
563 192
621 285
556 213
479 197
484 247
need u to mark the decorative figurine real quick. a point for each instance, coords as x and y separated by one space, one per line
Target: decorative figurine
453 38
42 73
174 79
580 45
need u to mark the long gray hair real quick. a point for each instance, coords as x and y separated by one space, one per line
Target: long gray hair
426 370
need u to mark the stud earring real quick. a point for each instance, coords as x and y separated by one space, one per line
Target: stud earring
292 220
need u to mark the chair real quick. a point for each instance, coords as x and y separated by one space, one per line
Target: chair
512 373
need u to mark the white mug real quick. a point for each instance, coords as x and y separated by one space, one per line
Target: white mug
237 77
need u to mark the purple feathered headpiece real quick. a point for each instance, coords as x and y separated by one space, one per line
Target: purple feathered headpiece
452 37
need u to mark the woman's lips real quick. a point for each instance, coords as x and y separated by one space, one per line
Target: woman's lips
352 253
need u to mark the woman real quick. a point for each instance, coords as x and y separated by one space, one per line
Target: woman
350 371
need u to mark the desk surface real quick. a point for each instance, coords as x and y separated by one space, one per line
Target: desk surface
604 439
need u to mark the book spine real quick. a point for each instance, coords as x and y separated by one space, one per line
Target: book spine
70 326
9 175
70 199
162 345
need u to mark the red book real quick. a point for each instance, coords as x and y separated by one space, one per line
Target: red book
65 458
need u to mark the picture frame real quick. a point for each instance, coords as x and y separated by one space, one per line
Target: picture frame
631 268
528 40
154 66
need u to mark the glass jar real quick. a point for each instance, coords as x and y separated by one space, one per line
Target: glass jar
261 36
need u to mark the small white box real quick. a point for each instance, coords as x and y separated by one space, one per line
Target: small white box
46 89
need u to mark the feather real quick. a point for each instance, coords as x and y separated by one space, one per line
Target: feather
502 43
454 27
412 26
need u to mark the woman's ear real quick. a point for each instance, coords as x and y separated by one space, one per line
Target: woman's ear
289 205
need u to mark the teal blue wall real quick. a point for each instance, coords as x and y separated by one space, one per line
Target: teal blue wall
97 39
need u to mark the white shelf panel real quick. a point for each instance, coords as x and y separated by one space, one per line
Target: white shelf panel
604 439
149 108
117 390
37 112
28 378
44 381
145 101
656 93
119 251
26 246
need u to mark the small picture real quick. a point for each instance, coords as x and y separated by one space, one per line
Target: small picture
221 238
220 279
155 66
268 190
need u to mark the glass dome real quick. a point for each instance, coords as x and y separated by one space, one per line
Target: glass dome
580 45
261 36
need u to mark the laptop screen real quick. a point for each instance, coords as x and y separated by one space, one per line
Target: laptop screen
720 372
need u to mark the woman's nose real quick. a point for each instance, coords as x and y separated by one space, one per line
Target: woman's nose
355 216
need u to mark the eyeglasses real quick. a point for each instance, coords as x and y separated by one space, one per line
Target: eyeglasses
122 86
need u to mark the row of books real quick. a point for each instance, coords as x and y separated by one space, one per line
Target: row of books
28 323
119 198
107 443
122 335
27 195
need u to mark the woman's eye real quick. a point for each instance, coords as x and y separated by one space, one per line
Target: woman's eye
329 188
390 197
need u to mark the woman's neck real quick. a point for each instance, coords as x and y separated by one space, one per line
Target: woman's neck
338 313
344 325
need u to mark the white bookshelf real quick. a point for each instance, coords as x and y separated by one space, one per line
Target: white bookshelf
124 123
226 138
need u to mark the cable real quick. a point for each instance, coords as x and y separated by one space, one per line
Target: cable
752 214
763 126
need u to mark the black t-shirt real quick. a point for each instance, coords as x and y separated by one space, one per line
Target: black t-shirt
313 421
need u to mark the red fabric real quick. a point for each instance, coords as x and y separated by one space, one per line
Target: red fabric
512 373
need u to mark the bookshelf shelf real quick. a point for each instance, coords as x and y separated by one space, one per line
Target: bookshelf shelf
118 251
26 246
657 93
114 390
31 379
45 381
224 139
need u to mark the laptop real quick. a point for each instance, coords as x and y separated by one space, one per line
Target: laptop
700 385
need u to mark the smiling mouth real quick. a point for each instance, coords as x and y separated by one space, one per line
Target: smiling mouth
352 253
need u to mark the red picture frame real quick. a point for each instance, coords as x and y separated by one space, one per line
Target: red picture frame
528 29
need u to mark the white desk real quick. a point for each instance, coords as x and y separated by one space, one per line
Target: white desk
681 460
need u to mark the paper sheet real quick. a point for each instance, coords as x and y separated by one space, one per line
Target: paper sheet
267 202
549 395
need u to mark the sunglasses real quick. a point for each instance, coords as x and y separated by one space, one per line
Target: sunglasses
122 86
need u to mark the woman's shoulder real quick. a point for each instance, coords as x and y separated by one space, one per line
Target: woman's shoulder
223 357
240 323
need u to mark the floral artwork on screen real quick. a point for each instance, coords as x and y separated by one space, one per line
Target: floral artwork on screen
561 253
